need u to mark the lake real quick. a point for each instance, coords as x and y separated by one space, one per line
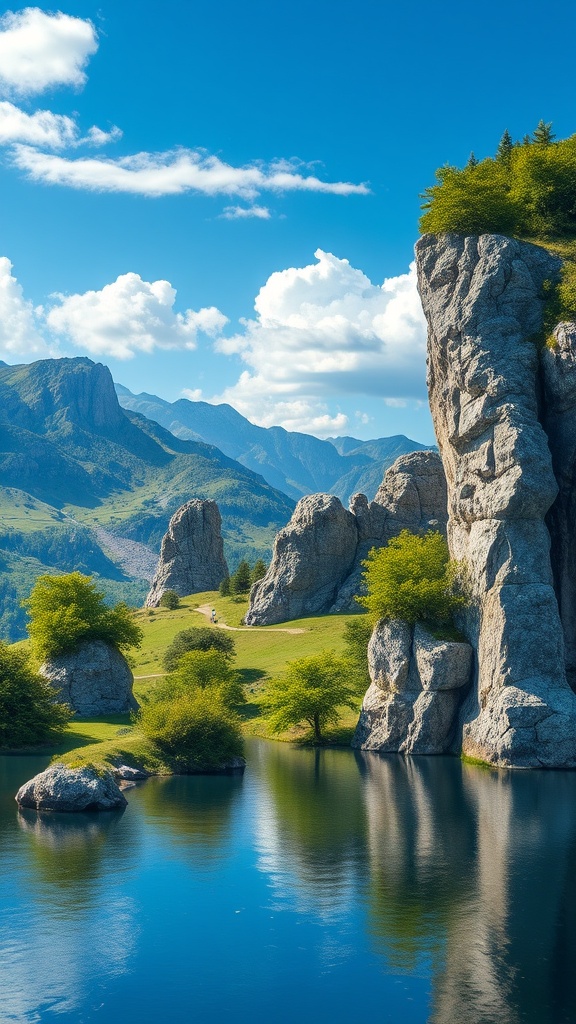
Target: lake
323 886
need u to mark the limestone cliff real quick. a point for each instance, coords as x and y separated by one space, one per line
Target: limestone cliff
192 553
482 297
317 561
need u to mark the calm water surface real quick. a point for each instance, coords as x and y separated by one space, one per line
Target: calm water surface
324 886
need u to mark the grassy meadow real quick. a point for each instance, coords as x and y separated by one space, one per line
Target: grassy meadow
261 653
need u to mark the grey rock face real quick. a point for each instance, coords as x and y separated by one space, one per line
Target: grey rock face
60 788
192 553
317 562
482 300
559 419
94 680
313 554
417 685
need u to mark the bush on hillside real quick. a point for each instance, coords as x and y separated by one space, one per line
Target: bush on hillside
195 732
198 638
66 611
204 670
413 579
28 712
170 600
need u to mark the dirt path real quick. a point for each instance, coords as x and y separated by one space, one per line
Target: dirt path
205 609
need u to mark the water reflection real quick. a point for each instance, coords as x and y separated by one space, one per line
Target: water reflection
193 813
348 871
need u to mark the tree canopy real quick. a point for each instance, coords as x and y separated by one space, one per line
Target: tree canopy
527 189
65 611
312 691
198 638
194 731
204 670
412 579
29 713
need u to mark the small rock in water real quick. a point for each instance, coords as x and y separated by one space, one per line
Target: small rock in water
60 788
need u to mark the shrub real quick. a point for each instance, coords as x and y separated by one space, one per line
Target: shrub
198 638
412 579
194 731
312 691
28 712
170 599
67 610
204 670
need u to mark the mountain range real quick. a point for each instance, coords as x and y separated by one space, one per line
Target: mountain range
89 482
293 462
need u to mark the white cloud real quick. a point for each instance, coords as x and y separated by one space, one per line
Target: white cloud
240 212
192 394
39 50
19 336
128 316
325 331
171 173
43 128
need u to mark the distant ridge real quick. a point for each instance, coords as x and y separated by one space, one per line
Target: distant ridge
293 462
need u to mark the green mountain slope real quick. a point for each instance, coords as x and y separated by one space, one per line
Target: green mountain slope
74 464
294 462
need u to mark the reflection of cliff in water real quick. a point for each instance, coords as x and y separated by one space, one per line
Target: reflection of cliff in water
474 869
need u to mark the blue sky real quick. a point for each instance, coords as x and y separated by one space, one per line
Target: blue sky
239 223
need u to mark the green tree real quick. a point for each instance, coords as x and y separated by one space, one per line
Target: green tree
241 580
29 713
312 690
412 579
170 599
198 638
67 610
259 570
357 633
505 147
472 161
204 670
224 589
543 134
194 731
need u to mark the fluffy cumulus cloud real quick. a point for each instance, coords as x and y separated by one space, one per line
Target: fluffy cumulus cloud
39 50
325 331
19 334
244 212
173 173
43 128
129 316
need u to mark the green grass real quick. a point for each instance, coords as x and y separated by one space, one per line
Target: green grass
260 654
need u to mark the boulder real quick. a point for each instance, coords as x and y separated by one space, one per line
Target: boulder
192 553
317 561
312 557
93 680
483 300
60 788
417 684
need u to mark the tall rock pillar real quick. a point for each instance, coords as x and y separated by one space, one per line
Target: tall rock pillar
482 300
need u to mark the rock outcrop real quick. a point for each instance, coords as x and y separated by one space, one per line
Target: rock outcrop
192 553
417 684
558 363
93 680
317 561
483 300
60 788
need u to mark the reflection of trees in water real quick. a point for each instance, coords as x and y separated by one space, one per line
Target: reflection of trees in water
476 870
193 812
421 852
311 822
